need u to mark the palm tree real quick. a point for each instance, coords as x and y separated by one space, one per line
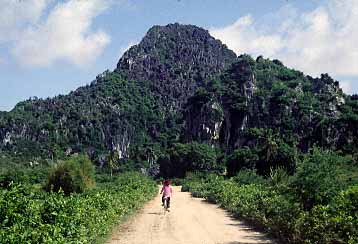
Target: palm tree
113 161
270 144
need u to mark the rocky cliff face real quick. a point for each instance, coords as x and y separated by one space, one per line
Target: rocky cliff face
217 115
256 98
176 59
179 84
95 118
140 102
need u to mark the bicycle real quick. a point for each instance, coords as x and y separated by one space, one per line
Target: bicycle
165 205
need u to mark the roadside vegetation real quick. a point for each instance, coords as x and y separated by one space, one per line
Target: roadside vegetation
73 209
317 204
270 144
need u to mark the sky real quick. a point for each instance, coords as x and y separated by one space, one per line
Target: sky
50 47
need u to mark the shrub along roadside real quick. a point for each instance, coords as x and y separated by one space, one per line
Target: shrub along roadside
333 223
73 175
269 205
28 215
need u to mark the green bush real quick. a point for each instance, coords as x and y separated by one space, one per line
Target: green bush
270 152
241 158
177 181
248 176
271 203
317 179
285 156
333 223
183 158
29 215
253 202
18 173
73 175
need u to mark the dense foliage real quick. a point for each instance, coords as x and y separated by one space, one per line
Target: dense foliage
29 215
181 101
265 102
316 205
181 85
18 170
136 105
94 118
73 175
182 158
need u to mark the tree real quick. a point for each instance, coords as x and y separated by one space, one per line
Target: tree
317 179
72 175
182 158
113 161
241 158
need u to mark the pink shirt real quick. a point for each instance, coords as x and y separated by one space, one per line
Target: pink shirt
167 191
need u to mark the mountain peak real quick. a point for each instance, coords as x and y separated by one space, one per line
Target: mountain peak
178 31
176 59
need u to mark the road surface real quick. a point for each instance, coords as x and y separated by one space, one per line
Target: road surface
190 221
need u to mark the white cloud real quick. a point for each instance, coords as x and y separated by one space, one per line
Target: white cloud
15 15
243 37
346 86
40 35
319 41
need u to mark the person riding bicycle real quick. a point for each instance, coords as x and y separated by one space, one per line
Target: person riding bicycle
167 192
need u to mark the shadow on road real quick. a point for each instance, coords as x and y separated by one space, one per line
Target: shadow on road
238 242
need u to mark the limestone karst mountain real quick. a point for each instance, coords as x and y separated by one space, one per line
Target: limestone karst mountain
179 84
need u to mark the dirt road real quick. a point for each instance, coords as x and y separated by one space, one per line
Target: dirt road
190 221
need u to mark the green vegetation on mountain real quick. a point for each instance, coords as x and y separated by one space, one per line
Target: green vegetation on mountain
180 85
280 147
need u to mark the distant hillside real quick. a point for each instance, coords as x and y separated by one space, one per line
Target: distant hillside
258 100
179 84
139 103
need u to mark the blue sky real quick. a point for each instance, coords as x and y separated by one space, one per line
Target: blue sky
50 47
